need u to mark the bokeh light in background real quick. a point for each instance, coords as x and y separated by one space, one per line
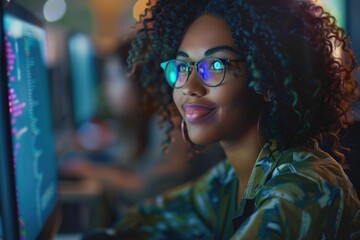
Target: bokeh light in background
54 10
109 21
139 8
338 9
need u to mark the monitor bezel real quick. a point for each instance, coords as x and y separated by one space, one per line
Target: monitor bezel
8 208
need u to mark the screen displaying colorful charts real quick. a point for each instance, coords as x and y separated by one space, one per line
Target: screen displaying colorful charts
33 155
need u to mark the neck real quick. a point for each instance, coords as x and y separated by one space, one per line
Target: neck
242 154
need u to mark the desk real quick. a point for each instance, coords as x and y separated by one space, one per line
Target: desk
82 207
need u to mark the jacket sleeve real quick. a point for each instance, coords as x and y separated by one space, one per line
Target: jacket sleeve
183 213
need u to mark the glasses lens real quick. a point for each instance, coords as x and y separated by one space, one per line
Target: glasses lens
211 71
176 73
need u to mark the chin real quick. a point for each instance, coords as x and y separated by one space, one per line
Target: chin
203 135
202 139
201 142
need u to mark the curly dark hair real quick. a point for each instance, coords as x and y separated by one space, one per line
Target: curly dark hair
295 54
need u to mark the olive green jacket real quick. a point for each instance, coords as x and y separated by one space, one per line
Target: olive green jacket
299 193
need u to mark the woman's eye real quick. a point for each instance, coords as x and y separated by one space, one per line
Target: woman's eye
182 68
217 65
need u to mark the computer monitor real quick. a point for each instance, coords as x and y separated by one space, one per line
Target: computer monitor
83 77
28 166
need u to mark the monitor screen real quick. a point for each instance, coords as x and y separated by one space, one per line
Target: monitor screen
83 77
27 142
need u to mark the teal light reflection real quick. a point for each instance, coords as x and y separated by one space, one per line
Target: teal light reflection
173 77
337 8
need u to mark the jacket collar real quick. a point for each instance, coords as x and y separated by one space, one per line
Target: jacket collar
265 163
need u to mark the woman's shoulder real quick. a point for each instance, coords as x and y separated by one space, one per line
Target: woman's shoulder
310 163
307 189
311 180
310 176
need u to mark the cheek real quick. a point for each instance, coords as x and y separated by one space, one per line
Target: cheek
177 99
230 98
235 107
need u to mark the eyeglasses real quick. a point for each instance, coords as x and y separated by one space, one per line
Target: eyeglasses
211 71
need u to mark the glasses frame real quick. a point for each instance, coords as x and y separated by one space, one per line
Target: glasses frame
224 61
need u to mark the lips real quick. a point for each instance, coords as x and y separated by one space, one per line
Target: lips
196 112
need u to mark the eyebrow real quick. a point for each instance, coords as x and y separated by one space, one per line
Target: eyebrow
211 51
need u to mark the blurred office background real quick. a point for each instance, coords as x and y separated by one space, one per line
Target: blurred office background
110 154
96 125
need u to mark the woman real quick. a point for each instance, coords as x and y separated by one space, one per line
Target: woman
262 79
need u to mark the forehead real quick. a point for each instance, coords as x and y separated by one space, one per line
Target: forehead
204 33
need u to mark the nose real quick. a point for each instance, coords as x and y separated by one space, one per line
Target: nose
194 86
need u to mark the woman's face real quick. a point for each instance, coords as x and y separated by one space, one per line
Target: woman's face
214 114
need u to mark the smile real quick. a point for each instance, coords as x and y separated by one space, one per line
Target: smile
196 113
